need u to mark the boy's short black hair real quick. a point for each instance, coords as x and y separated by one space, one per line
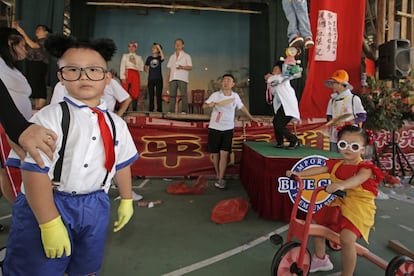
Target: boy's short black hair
279 64
229 75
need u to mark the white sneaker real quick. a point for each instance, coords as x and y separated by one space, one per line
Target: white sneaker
136 197
318 264
221 184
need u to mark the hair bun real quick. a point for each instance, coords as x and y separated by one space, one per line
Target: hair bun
105 46
58 44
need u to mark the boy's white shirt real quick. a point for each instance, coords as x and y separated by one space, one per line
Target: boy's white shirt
83 168
284 95
222 117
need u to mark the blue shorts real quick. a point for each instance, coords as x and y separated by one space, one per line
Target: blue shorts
86 218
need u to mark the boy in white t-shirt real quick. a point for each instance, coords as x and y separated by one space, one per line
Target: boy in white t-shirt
221 126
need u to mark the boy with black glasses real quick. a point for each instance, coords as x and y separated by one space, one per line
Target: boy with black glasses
60 220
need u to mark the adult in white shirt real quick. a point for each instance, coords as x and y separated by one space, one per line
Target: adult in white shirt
179 65
129 72
113 93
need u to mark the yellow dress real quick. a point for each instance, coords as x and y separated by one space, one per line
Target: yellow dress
358 206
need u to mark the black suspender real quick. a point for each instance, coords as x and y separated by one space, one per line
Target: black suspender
65 129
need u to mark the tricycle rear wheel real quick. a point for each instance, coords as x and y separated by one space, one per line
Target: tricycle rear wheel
400 265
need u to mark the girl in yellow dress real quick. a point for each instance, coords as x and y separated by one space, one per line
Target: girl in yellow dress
353 216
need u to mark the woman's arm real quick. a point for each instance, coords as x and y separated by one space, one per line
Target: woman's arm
10 117
29 41
30 137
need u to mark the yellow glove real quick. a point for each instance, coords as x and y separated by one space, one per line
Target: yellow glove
125 212
55 238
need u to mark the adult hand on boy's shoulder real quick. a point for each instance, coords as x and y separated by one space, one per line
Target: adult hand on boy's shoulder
35 138
125 212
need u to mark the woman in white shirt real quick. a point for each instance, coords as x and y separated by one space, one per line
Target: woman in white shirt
12 50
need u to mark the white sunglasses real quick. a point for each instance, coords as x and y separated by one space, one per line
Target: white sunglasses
354 147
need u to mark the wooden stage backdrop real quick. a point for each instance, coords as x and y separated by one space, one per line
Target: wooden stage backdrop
176 144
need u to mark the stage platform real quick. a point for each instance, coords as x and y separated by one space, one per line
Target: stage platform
261 165
175 144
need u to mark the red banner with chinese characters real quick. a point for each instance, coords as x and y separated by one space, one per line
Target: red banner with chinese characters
179 148
169 148
338 29
403 156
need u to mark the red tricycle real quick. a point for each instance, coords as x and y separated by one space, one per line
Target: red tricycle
293 257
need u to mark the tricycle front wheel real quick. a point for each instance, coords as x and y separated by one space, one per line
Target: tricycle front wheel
285 261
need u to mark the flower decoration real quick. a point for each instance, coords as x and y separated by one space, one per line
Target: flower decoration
339 128
370 136
386 107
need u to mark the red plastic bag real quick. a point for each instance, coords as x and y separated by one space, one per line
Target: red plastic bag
230 210
178 188
181 188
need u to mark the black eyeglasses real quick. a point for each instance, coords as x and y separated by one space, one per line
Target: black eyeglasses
73 73
354 147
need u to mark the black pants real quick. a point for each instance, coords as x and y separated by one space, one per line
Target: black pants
36 76
155 88
280 121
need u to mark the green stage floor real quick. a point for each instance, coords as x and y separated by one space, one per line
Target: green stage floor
178 238
269 150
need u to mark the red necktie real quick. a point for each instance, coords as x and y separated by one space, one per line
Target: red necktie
107 139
